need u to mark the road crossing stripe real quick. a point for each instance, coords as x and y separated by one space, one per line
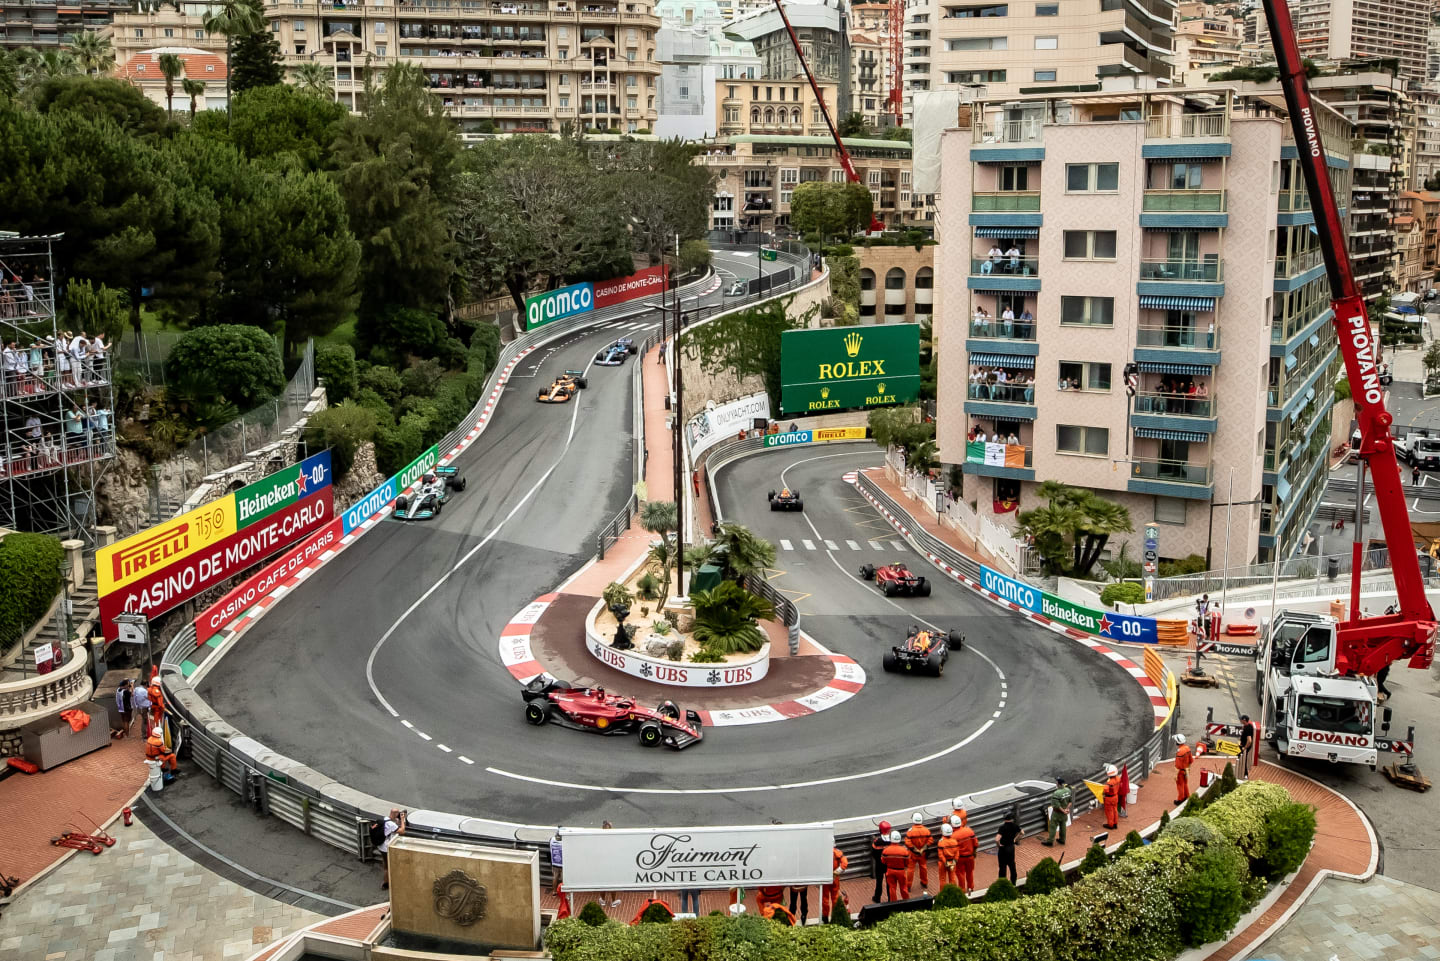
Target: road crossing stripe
875 546
809 545
831 545
786 545
898 545
852 545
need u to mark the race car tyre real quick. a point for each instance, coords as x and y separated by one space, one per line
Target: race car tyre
868 572
923 589
580 382
537 714
956 640
891 589
650 735
632 348
774 506
800 505
770 496
438 504
890 662
936 663
600 356
402 503
460 484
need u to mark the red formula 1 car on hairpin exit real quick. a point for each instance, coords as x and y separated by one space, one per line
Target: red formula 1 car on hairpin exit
893 579
597 711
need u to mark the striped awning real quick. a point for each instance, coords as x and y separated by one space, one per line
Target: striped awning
1160 433
1314 340
1167 302
1021 232
1190 370
1024 361
1310 394
1174 229
1290 361
1295 414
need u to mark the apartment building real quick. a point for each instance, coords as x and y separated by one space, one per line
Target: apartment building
144 27
758 173
527 66
1418 237
1207 41
142 69
822 28
1164 228
1345 29
47 24
1426 166
869 83
694 52
1011 47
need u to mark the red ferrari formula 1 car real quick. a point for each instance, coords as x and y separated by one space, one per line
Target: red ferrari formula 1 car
895 579
594 710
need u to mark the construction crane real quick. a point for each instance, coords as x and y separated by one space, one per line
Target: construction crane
1313 674
875 225
897 58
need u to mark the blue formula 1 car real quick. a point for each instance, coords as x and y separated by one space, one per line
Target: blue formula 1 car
615 354
430 494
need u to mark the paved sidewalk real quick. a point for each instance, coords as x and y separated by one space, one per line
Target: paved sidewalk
140 901
963 543
1379 920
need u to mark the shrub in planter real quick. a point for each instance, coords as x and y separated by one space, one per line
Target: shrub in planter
1125 593
840 914
1095 859
1164 821
1288 833
656 914
707 655
647 586
1194 830
1227 779
950 896
29 580
1241 816
1194 804
1002 889
1132 841
1044 878
1210 899
593 914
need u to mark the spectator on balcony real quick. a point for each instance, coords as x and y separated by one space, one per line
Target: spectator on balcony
1026 324
1014 255
1064 383
79 348
981 321
1007 320
995 255
62 360
74 431
10 364
1012 440
37 366
33 430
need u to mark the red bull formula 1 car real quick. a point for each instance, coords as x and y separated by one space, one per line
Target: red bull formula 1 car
787 500
924 652
893 579
595 710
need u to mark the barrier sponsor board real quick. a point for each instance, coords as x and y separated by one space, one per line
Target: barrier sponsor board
642 859
1125 628
161 589
788 438
658 670
722 422
141 555
375 501
253 588
817 436
553 305
259 500
837 368
649 282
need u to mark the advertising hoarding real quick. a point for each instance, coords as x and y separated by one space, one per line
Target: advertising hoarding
642 859
253 588
1125 628
375 501
817 436
643 283
724 421
140 555
259 500
839 368
161 589
553 305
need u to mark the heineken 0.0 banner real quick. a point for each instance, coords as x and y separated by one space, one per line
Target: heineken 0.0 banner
840 368
1117 627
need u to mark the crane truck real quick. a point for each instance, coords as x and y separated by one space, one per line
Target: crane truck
1314 674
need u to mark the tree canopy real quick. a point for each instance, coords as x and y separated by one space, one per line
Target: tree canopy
746 343
830 209
1071 531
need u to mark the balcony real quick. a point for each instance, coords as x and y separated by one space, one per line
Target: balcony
1183 271
1170 411
1169 478
1184 201
1005 274
1005 201
996 329
1177 338
1026 131
1188 126
1293 264
999 460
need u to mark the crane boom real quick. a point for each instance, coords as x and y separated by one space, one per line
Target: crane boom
1363 645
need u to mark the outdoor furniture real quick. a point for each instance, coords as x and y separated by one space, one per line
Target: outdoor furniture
50 742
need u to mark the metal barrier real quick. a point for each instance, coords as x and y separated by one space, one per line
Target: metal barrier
929 542
784 607
617 525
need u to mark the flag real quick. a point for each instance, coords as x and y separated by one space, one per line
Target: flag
1124 782
1096 789
1014 455
975 452
994 454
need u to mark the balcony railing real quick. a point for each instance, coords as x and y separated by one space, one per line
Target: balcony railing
1169 125
1183 271
1178 338
1294 200
1003 393
1005 266
1279 395
1004 201
1184 201
1292 264
1009 131
1000 329
1013 455
1174 405
1170 471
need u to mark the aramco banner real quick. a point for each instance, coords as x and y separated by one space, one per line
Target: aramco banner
841 368
553 305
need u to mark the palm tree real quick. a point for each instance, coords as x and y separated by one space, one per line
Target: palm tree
34 68
725 618
744 553
662 555
92 49
193 89
1076 522
172 67
659 517
314 78
232 18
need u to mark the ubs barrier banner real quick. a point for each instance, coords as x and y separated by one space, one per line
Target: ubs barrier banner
172 585
252 589
1126 628
837 368
642 859
714 424
820 435
373 502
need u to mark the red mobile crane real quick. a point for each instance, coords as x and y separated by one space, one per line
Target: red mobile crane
875 225
897 60
1313 674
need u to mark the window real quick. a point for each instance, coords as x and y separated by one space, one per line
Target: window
139 33
1087 178
837 175
630 81
564 101
977 43
379 29
1170 510
563 53
380 50
299 26
1044 76
872 178
733 94
1047 43
1047 9
966 13
1087 311
1014 178
969 76
299 49
1082 375
200 34
724 202
169 32
1089 245
732 114
1184 176
1071 439
895 279
630 103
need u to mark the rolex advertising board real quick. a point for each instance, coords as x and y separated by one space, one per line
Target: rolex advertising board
841 368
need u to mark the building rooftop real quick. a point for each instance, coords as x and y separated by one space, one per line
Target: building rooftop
818 141
199 64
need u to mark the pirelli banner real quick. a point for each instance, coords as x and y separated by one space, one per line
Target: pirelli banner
170 563
844 368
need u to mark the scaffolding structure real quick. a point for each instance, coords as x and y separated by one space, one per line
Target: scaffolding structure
57 421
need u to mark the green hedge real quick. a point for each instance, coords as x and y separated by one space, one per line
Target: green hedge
1129 910
29 581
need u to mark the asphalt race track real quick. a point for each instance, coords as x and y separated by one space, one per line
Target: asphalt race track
417 608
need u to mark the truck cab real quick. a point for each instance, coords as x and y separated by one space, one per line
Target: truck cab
1419 448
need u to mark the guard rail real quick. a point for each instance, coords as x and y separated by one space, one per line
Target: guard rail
929 542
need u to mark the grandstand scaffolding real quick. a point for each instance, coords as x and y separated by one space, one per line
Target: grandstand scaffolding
57 403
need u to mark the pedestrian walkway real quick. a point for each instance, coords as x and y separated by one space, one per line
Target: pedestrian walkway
1379 920
970 547
140 900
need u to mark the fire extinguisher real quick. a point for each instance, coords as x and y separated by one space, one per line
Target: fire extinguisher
127 814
